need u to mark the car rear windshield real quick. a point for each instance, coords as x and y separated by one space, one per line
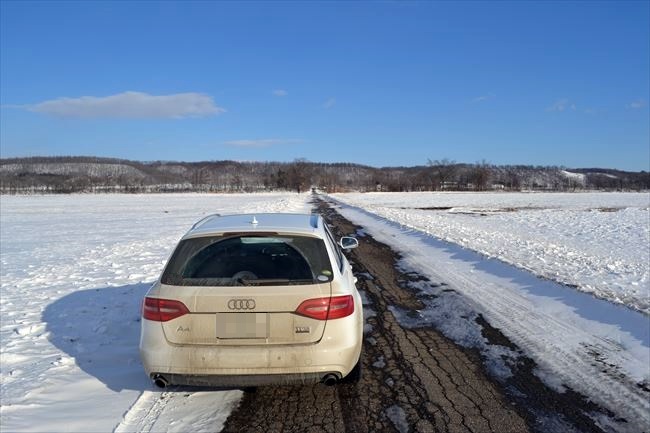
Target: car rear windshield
248 259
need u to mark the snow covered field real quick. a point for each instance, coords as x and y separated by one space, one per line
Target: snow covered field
597 242
73 272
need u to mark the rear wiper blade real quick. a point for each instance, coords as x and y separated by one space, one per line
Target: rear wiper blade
306 280
271 281
262 281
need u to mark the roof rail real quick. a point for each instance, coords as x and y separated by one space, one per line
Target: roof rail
196 224
313 220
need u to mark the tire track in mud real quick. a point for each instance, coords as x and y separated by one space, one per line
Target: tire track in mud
412 379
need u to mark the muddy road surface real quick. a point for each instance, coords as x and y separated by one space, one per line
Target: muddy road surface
413 380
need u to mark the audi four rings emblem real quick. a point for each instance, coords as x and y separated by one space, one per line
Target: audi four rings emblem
241 304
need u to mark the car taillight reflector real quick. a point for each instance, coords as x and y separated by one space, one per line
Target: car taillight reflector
327 308
162 310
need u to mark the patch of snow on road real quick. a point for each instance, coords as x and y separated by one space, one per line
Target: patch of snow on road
397 416
597 242
73 271
455 316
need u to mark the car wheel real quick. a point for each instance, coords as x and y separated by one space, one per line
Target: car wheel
354 376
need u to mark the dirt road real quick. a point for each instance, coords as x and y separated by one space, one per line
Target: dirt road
413 379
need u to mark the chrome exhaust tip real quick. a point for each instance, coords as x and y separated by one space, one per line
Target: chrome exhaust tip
330 379
160 381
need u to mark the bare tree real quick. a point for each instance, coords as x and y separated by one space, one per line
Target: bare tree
299 175
513 181
443 172
480 175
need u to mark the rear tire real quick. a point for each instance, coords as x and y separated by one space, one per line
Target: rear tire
354 376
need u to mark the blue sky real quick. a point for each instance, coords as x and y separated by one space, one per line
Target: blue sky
377 83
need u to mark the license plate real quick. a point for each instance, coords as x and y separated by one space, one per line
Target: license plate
242 325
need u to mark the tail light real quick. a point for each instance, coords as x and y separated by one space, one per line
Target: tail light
328 308
162 310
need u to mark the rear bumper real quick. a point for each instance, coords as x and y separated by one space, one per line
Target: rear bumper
228 381
218 365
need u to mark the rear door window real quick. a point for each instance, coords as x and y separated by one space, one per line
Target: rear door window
248 259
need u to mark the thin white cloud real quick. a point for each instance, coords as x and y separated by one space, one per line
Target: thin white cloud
280 92
131 105
483 98
562 105
264 142
635 105
329 103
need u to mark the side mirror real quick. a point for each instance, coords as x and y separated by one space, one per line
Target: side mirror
347 243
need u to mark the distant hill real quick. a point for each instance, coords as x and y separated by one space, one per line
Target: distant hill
67 174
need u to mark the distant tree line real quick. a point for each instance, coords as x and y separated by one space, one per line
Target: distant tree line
67 174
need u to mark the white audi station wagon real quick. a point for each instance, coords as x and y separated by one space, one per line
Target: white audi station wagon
248 300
